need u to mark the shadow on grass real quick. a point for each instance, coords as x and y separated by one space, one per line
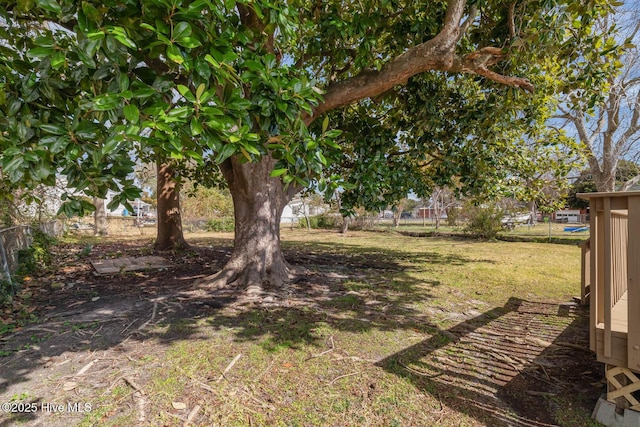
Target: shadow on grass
522 364
352 288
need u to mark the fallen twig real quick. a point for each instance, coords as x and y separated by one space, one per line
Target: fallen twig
259 402
342 376
418 372
96 332
155 310
540 393
133 384
571 345
355 359
128 326
86 367
326 351
266 370
138 395
205 386
228 368
192 415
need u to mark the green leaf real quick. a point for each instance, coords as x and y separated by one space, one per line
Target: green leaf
110 145
58 60
211 61
40 52
11 164
196 127
190 42
42 171
59 144
120 34
91 12
322 158
173 53
200 91
278 172
106 102
325 124
14 107
227 151
144 92
131 113
181 112
181 30
186 92
50 5
52 129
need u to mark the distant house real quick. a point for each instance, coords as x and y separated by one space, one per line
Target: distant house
297 209
143 208
568 216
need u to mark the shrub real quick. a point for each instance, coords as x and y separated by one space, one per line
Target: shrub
221 224
325 222
484 222
37 256
453 214
313 222
363 222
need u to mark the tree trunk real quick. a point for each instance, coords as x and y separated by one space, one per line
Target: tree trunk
100 217
344 227
169 217
305 213
258 201
397 214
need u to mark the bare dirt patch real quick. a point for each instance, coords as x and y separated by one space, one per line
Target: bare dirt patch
99 344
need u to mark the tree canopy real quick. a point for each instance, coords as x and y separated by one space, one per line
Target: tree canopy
609 128
237 87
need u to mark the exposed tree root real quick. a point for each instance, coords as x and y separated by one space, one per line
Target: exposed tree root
254 285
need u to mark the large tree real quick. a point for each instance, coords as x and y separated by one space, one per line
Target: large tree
240 85
609 130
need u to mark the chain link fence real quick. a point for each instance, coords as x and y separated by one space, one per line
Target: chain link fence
12 241
16 239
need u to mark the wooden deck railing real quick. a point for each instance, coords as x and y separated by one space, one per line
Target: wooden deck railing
619 249
585 278
612 277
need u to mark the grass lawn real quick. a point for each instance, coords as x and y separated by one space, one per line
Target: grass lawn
384 330
490 271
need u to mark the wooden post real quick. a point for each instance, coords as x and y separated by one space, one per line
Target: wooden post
633 285
596 286
607 283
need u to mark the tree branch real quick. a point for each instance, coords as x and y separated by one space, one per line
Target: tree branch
479 62
630 183
473 11
435 54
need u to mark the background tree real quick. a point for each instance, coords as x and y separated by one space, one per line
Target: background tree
170 234
100 217
206 202
442 201
584 183
241 86
609 131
